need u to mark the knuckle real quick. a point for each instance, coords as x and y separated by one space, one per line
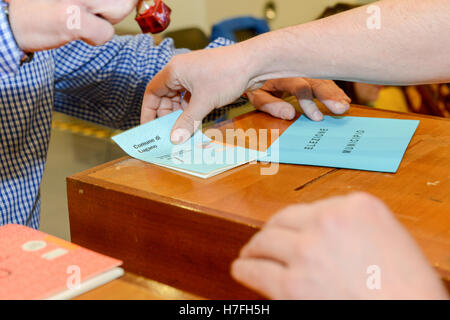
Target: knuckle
187 121
340 91
362 199
361 196
341 216
331 216
302 87
187 118
284 214
175 62
365 204
303 91
256 242
329 220
319 84
326 88
173 67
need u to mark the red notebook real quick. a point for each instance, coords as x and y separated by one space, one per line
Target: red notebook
35 265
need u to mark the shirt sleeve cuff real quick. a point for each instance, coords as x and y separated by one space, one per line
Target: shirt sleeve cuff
220 42
10 53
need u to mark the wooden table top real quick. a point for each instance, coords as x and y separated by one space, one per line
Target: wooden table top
133 287
419 193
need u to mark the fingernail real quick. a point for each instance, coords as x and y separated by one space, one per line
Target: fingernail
317 116
286 115
342 106
179 136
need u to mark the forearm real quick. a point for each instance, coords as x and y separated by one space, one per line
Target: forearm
411 46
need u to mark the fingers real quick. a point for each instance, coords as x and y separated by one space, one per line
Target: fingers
299 217
266 102
292 218
301 89
165 108
155 107
112 10
150 107
311 109
272 243
263 276
333 97
190 120
306 90
94 30
161 93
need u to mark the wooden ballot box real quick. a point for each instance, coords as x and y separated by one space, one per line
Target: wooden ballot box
185 231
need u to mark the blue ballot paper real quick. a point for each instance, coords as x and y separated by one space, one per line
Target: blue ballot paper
200 156
369 144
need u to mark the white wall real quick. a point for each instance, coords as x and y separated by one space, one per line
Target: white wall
205 13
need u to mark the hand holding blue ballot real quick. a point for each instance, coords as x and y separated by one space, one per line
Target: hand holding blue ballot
199 156
370 144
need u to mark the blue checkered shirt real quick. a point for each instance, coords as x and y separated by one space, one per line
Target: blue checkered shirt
102 84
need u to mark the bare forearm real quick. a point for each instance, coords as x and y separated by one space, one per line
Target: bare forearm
411 46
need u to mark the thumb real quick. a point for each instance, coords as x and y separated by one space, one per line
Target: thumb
190 120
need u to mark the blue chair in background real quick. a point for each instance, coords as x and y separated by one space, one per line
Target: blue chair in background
240 29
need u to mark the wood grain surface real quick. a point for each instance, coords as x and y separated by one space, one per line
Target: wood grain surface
185 231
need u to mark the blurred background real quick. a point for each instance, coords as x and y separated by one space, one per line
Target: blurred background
76 145
206 13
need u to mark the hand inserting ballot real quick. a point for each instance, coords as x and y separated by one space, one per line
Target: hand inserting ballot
46 24
212 83
337 249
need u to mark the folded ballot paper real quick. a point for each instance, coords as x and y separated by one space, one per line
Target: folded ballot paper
369 144
200 156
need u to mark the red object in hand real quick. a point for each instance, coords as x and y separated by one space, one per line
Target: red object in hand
153 18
